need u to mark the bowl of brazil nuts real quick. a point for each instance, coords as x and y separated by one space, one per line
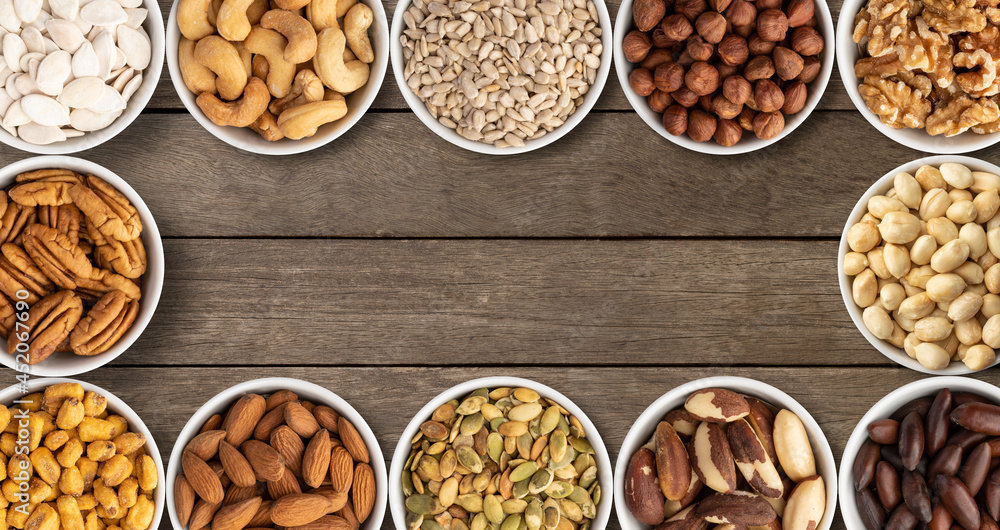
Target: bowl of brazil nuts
684 458
501 77
918 265
922 455
500 452
289 453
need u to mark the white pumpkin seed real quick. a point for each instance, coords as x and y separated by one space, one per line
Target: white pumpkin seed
27 58
53 73
136 16
120 60
122 79
5 103
45 110
65 9
131 87
5 72
72 133
85 27
65 34
88 120
135 43
40 20
104 46
85 63
27 10
33 40
25 85
130 4
8 18
103 13
11 88
38 134
13 50
50 45
109 101
82 92
14 117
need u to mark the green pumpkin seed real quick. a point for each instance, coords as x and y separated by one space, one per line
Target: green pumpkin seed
499 393
449 492
484 392
523 471
418 485
550 420
471 502
533 514
422 504
540 481
563 424
565 461
526 395
455 430
407 480
436 448
429 469
581 445
504 404
576 428
557 445
482 480
571 510
416 461
550 514
513 506
584 526
521 489
588 477
479 522
490 412
493 509
465 485
595 494
525 412
471 424
434 430
448 463
431 524
459 524
414 520
494 446
559 489
523 525
567 473
579 496
524 443
511 522
468 457
581 463
471 405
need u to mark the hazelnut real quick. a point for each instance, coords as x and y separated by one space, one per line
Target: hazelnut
772 25
705 103
660 40
684 97
759 67
795 97
698 49
701 125
641 81
768 125
711 26
787 64
768 96
733 50
800 12
724 108
746 119
685 59
647 13
767 4
810 69
656 57
759 46
736 89
675 120
745 30
702 78
669 76
726 70
691 8
677 27
807 41
741 13
728 133
719 5
659 101
636 45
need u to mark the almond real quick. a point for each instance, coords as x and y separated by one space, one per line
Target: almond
237 467
298 509
316 459
183 499
341 469
301 420
236 494
682 421
327 522
716 405
673 467
348 514
327 418
266 462
202 478
269 422
761 418
363 491
286 485
752 460
242 418
642 490
206 444
337 498
236 516
288 444
279 398
806 505
740 508
263 516
211 424
202 514
712 458
352 440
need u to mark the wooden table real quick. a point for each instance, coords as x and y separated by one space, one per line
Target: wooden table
391 265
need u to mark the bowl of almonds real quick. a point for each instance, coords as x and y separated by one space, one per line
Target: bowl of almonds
276 453
726 451
918 265
500 452
81 266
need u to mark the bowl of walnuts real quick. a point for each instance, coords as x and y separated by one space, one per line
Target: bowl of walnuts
924 73
724 76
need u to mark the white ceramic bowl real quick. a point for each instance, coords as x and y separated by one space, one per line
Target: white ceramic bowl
749 142
880 187
116 406
885 408
65 363
268 385
398 63
645 426
848 53
150 77
604 473
246 139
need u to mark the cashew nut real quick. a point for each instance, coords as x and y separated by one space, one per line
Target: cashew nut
213 12
232 19
331 68
298 31
356 23
259 67
267 127
291 5
240 113
257 10
271 45
197 78
333 95
302 121
343 6
192 19
322 14
220 56
306 89
246 56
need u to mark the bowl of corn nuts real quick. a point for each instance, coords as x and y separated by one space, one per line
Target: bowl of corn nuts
918 265
281 80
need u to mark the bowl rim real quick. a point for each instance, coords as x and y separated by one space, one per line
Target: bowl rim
153 25
918 139
644 426
217 404
749 143
119 407
881 409
153 284
605 471
452 137
897 355
245 139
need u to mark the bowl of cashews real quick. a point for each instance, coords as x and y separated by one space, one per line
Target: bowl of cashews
277 78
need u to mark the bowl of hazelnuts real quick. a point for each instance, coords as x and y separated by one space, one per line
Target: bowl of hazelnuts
724 76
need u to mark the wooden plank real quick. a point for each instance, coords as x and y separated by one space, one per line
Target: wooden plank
389 177
388 397
473 302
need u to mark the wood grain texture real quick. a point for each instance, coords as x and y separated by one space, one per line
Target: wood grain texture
474 302
610 177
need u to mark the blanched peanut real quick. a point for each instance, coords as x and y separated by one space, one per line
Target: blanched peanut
974 236
855 262
944 287
934 204
991 332
970 272
932 329
943 230
892 295
897 259
922 250
899 227
956 175
929 177
904 322
910 345
983 181
918 276
978 289
865 288
907 190
968 331
876 262
987 203
877 321
962 212
898 336
958 195
932 356
950 345
950 256
964 307
992 279
987 260
916 307
979 357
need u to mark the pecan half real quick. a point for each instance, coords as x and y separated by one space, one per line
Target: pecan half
62 261
15 218
18 271
7 316
51 175
65 218
106 322
41 193
107 209
128 258
49 322
104 281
